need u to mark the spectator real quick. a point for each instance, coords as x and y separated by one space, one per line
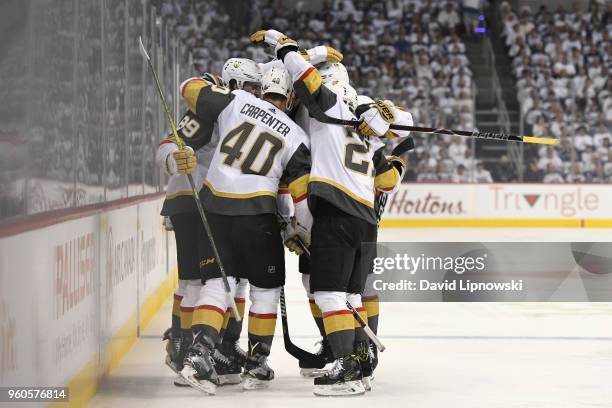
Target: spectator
460 175
575 175
504 171
428 175
448 18
482 175
552 174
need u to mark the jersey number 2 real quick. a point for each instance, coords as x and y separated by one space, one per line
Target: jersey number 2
234 141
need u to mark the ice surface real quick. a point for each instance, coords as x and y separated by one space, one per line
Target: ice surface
438 354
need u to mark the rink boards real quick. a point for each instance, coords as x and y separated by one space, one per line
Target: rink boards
74 294
443 205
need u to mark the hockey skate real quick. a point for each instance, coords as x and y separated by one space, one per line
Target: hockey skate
228 364
257 373
198 367
175 349
366 355
343 379
326 356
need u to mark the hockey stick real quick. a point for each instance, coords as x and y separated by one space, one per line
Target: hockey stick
181 144
381 200
309 359
356 314
366 328
321 116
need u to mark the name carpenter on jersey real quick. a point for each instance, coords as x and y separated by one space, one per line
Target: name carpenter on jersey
264 117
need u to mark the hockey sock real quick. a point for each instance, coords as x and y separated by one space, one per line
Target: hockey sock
262 315
318 316
314 308
179 293
372 308
176 312
355 300
210 309
338 322
232 327
188 302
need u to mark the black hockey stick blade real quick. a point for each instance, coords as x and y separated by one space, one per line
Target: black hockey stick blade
306 359
404 146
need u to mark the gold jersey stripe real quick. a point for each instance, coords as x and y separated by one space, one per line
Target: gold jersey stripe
338 322
371 306
364 315
344 190
312 79
176 305
186 318
315 310
261 327
238 195
209 316
191 91
299 186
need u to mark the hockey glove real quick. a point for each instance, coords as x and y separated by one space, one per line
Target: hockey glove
168 224
277 40
376 120
298 230
320 54
181 161
400 164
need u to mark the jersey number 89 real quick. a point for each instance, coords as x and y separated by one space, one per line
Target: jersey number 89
239 136
188 126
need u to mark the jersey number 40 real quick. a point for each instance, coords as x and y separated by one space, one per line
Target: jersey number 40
234 141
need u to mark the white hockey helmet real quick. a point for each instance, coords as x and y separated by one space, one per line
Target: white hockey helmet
241 70
333 71
277 80
344 91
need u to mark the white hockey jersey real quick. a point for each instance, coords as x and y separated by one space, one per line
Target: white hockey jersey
178 191
346 168
259 148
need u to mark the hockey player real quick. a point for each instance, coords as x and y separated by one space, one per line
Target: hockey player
242 73
182 217
245 74
192 243
260 147
334 72
346 168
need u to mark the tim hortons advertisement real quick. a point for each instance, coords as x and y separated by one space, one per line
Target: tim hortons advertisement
552 201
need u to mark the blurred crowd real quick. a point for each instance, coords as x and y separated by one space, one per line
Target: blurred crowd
407 51
412 52
562 62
